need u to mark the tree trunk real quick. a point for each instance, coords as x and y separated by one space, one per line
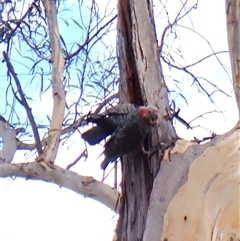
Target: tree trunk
193 197
233 29
141 83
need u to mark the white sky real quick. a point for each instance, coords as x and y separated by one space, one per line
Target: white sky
31 210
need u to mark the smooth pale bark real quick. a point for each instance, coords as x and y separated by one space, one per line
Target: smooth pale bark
206 206
233 30
43 169
51 147
195 192
9 141
86 186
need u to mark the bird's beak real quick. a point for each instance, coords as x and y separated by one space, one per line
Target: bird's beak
153 120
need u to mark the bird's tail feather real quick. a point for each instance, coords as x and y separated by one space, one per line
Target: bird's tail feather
94 135
105 163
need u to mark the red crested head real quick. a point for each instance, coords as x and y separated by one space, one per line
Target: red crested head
149 113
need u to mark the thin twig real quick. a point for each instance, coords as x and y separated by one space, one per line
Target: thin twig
204 58
201 116
108 99
80 122
18 23
195 79
83 154
204 138
216 56
89 39
25 104
105 176
177 18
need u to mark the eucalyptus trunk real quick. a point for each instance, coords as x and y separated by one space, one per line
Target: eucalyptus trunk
195 196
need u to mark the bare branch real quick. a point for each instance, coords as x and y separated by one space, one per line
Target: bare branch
24 103
207 138
187 124
177 18
195 79
108 99
180 119
205 113
86 186
18 23
83 154
88 40
216 56
206 57
80 122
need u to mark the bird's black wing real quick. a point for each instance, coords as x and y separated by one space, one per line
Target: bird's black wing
107 122
119 114
112 117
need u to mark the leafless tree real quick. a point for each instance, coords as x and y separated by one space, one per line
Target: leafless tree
174 195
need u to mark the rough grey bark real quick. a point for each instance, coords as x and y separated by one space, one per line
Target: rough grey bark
141 83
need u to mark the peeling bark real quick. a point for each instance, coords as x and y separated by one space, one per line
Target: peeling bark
141 83
206 204
180 221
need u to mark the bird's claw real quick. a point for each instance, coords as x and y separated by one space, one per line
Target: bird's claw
151 152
